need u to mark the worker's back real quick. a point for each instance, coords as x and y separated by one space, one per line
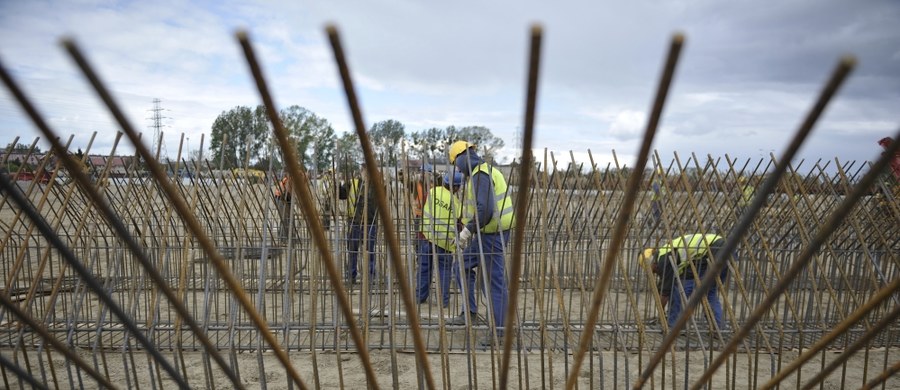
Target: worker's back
361 203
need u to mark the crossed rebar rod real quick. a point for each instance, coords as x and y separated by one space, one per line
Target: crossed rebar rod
177 262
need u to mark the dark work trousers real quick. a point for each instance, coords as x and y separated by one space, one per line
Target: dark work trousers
354 239
491 245
427 253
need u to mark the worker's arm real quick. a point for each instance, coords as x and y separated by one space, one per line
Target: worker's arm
666 275
715 248
484 200
343 190
663 297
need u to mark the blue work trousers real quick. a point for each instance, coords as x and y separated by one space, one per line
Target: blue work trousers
656 210
354 239
676 304
427 253
491 245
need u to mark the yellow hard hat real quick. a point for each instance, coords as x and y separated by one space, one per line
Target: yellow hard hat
645 256
458 148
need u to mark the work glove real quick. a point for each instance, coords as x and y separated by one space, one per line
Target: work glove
464 237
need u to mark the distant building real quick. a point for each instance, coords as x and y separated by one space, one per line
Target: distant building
22 158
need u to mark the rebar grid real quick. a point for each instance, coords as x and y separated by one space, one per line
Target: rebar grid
206 264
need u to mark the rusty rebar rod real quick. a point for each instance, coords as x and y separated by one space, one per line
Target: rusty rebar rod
805 256
624 215
381 197
180 205
521 212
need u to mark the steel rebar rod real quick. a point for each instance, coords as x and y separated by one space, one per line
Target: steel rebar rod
86 275
840 73
884 323
384 212
624 215
190 220
860 313
521 205
806 255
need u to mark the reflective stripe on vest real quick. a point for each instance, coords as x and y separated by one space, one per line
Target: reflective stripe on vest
439 218
502 217
690 247
352 195
746 195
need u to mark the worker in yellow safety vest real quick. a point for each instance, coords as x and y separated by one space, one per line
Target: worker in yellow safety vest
685 259
487 220
362 210
440 215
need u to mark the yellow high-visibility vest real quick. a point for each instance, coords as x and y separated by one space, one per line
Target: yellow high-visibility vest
746 195
439 215
352 196
689 248
503 215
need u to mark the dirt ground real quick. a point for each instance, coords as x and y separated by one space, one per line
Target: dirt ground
528 370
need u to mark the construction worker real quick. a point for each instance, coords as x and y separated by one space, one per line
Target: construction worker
487 218
362 210
746 195
283 196
324 188
440 214
681 264
418 186
656 195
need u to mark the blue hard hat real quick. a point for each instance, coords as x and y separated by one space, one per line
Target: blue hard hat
427 167
454 178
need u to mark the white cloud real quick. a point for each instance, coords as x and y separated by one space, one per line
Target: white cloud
628 125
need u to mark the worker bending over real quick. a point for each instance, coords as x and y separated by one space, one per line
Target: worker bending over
686 259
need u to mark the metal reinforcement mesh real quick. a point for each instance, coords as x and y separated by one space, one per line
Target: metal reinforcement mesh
211 282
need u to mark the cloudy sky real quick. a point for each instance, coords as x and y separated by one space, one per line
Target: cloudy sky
749 72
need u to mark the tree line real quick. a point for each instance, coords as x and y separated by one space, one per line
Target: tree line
242 137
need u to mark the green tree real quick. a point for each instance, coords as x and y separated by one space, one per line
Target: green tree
312 135
488 144
429 144
299 123
348 154
386 137
239 135
21 148
323 147
434 143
